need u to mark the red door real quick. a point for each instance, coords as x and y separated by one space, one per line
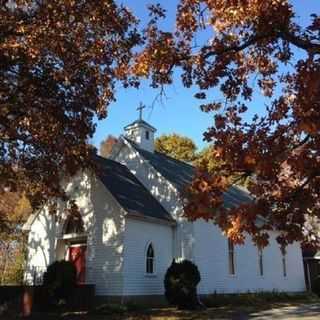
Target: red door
77 255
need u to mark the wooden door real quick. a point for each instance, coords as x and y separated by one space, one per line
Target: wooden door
77 255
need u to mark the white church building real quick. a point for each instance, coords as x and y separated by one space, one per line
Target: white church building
132 226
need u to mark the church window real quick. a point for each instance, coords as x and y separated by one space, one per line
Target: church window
232 269
260 258
150 259
74 224
147 135
284 261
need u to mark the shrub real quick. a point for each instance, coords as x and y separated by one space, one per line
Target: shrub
60 279
316 286
180 284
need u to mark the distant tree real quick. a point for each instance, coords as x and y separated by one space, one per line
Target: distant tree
176 146
16 209
106 145
206 159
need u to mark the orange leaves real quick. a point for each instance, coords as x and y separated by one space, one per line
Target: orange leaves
187 14
158 57
309 126
229 14
205 196
47 120
59 65
141 67
249 46
220 121
107 145
250 160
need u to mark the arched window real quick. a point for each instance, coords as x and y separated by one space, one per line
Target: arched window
232 268
150 259
260 261
284 261
74 224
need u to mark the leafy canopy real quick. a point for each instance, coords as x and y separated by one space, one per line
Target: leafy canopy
106 145
176 146
252 46
59 63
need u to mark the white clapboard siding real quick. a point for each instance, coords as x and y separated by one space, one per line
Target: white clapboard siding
211 257
138 235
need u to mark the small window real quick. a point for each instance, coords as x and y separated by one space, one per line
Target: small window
147 135
284 261
260 258
150 260
232 269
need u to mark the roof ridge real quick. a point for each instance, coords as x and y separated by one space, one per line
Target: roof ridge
160 153
174 159
138 121
110 160
107 170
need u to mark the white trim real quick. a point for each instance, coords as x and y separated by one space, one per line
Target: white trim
74 236
28 224
127 142
77 245
139 216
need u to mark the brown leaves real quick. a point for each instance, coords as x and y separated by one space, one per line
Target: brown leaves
205 196
249 48
107 145
59 63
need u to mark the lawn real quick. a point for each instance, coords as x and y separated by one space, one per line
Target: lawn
268 311
267 306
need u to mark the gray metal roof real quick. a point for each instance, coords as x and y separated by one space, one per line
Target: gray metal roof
141 122
180 174
310 253
129 191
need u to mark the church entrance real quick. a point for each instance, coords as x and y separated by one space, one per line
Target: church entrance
77 255
73 245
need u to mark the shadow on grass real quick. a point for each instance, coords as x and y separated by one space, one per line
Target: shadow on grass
237 307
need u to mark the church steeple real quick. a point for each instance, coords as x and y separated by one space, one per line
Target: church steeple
141 132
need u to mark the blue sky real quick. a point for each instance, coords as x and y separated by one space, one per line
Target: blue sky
178 112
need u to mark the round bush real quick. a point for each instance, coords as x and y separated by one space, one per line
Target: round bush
180 284
60 279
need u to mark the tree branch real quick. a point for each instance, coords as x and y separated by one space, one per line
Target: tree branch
299 42
237 48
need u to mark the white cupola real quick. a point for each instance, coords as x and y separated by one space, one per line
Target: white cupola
141 132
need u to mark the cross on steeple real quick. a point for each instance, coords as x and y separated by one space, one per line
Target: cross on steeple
140 108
